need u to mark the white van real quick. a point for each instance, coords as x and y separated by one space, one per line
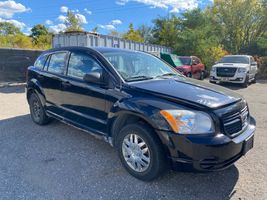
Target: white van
240 69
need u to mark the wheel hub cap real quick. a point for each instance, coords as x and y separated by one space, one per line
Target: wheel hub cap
136 152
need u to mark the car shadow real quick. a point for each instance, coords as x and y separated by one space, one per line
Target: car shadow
70 164
12 89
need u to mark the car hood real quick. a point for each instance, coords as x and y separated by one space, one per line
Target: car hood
231 65
189 90
183 67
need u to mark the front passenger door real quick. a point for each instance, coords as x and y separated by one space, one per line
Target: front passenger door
84 102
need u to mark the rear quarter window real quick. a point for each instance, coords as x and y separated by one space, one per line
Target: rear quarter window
40 62
57 63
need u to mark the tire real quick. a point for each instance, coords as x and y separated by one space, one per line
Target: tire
246 83
189 75
255 79
37 110
202 75
213 82
151 154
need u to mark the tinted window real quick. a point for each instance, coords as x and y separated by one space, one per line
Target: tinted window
57 63
39 63
81 64
185 60
235 59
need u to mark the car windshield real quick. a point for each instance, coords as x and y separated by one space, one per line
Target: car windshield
185 60
177 62
133 66
235 59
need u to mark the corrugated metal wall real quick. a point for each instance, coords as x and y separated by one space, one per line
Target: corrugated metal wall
96 40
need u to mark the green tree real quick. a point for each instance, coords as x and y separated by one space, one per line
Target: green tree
133 34
72 22
38 31
146 33
242 21
166 31
7 28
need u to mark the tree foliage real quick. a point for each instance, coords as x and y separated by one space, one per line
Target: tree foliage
38 31
7 28
133 34
72 22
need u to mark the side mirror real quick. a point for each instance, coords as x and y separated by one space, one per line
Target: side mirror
254 63
94 77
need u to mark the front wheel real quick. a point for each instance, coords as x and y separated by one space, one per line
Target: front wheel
189 75
37 110
141 152
246 83
202 75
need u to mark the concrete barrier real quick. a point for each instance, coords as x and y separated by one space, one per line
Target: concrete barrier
14 62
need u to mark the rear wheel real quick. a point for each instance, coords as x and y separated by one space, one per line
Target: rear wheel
202 75
37 110
140 152
255 79
213 82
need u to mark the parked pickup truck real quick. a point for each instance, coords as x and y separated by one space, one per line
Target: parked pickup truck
240 69
155 117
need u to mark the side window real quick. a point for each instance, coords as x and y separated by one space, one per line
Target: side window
40 62
57 63
252 60
81 64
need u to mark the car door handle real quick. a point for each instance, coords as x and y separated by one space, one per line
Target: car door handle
40 76
66 84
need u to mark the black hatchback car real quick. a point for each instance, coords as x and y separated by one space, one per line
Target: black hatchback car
154 116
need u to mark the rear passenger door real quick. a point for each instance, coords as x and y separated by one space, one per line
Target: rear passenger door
51 81
84 103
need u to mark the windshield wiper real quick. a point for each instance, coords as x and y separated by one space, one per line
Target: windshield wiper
168 74
141 77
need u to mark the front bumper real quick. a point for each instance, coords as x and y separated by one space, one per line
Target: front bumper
237 78
208 153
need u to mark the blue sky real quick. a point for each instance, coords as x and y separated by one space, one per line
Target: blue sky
108 15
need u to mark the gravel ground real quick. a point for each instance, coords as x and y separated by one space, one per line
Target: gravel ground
59 162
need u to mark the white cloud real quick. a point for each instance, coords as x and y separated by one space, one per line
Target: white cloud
111 25
89 12
108 27
9 8
61 18
16 23
64 9
57 28
81 18
48 22
174 5
116 22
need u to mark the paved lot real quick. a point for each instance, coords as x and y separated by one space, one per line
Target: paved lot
60 162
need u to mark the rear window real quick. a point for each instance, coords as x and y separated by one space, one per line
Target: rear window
185 60
57 63
40 62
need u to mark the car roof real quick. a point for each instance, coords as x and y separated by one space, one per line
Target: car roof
99 49
237 56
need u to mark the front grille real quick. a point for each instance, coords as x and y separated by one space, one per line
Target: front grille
226 71
235 122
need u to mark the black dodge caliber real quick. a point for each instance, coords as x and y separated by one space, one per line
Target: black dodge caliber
155 117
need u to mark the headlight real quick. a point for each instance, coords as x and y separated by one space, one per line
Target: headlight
188 122
213 69
242 70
